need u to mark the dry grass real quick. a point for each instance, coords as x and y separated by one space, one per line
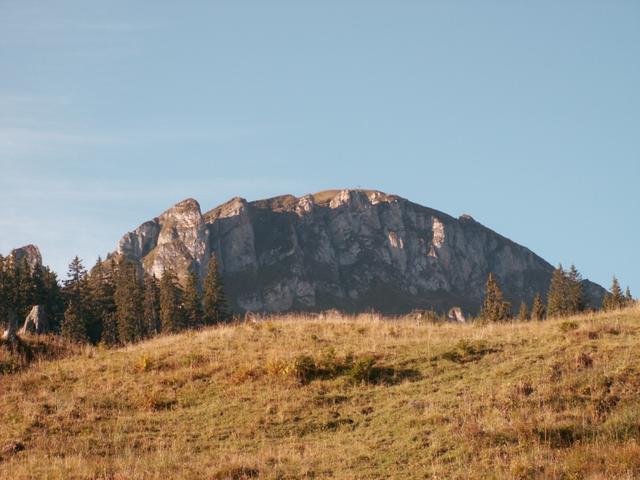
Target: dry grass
337 397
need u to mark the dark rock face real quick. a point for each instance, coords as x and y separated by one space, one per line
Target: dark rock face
349 249
29 252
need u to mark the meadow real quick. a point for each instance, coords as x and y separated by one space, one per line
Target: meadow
332 396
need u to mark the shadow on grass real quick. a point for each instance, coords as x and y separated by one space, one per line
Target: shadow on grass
466 351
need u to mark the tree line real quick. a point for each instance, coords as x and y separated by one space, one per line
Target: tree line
565 297
22 286
116 303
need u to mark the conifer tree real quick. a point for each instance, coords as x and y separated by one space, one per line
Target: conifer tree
151 305
192 304
24 288
53 300
171 314
110 334
74 325
577 302
615 299
6 289
129 303
537 308
101 292
76 316
559 296
494 308
215 305
628 297
523 313
75 286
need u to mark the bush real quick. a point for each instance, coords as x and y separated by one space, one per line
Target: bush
363 370
567 326
304 369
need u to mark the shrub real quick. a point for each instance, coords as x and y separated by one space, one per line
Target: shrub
304 369
467 351
568 325
144 363
363 370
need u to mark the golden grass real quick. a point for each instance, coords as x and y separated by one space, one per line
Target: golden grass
337 397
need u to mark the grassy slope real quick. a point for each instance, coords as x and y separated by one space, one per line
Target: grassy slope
558 399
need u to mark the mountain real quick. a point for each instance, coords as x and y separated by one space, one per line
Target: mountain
346 249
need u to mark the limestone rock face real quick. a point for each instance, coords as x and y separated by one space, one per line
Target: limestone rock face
346 249
36 321
29 252
456 315
177 240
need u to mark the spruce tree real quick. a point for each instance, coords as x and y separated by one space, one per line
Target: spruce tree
53 299
215 305
192 304
74 325
537 309
101 290
171 314
129 303
110 334
24 288
6 287
577 302
615 299
75 286
628 297
151 305
76 316
559 296
523 313
494 308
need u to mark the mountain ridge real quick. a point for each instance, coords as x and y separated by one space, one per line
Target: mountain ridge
350 249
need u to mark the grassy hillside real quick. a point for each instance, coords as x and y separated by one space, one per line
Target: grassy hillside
362 397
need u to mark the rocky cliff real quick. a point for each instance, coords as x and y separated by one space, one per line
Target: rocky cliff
29 253
345 249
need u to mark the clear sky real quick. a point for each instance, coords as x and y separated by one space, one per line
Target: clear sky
524 114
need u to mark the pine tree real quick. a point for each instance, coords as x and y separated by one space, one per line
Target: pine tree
76 316
577 302
537 308
76 283
129 303
494 308
628 298
615 299
559 296
25 291
6 288
171 314
110 335
215 305
151 305
523 313
192 304
53 300
74 325
101 292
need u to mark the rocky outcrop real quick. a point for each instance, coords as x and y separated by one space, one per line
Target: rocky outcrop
36 322
345 249
30 253
178 239
456 315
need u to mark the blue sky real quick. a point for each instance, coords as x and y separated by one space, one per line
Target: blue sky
525 115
